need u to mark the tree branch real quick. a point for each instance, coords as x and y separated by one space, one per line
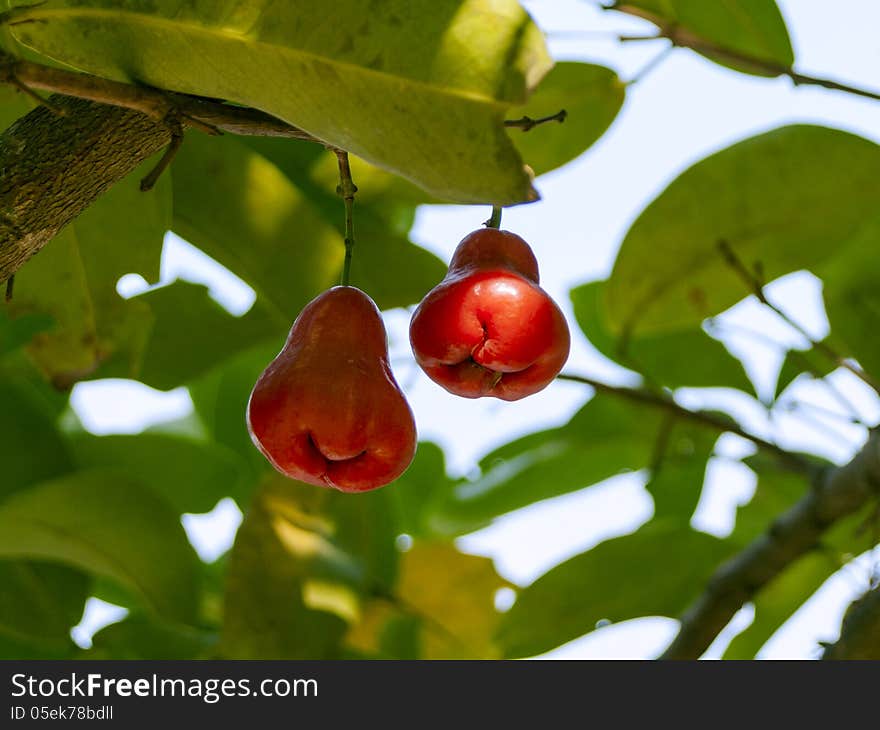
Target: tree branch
682 38
837 493
52 167
207 115
56 160
860 630
793 461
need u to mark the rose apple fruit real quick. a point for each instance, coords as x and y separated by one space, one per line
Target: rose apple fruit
489 329
327 410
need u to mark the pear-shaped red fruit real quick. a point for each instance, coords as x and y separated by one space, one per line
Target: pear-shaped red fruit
489 329
327 410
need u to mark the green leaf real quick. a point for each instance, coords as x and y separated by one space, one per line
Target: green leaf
444 608
425 74
809 361
242 211
676 481
142 637
685 358
386 265
228 192
31 449
191 334
591 95
40 602
421 490
753 29
74 281
265 611
15 333
776 603
606 437
786 200
13 104
220 398
852 301
776 491
109 525
191 476
617 580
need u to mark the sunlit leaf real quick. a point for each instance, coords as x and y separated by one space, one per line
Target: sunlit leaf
265 612
783 201
591 95
745 29
443 608
352 76
685 358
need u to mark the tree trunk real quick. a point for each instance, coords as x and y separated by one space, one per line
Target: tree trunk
53 167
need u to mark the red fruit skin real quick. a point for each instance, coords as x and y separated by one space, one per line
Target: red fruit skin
327 410
489 329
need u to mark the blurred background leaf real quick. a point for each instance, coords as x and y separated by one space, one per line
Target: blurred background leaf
109 525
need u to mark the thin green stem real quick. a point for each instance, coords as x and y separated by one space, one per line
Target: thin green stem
346 189
495 219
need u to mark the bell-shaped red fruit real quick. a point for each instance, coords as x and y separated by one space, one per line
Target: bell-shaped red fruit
489 329
327 410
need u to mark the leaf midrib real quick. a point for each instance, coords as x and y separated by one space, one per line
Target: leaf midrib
38 15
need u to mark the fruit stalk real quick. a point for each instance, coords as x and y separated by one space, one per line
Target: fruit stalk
346 189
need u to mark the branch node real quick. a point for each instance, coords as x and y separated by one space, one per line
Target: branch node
175 127
526 123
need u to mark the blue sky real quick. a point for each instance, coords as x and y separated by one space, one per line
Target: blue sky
681 111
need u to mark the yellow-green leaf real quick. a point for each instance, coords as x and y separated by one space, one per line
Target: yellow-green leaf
785 200
416 87
730 33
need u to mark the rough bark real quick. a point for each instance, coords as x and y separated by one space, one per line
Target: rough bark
52 167
837 494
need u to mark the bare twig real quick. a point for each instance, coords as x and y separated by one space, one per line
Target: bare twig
205 115
683 38
527 123
175 127
10 285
